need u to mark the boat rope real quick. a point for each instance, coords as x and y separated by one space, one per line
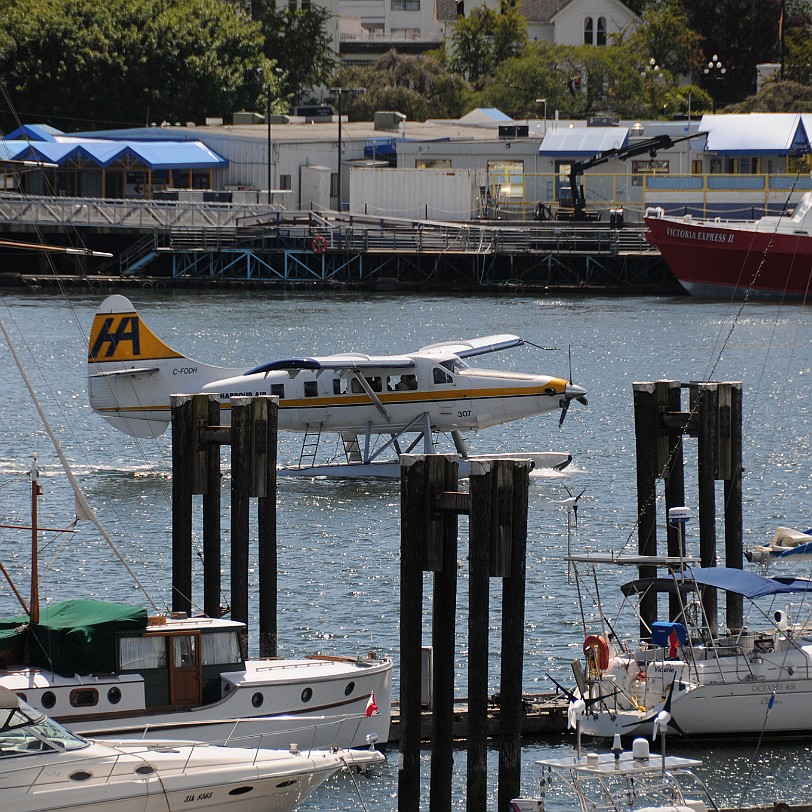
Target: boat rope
83 508
350 770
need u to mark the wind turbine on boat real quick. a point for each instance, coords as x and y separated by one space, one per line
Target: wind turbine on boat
405 398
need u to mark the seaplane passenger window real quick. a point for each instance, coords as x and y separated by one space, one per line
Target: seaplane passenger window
311 389
375 384
441 376
278 389
356 386
339 386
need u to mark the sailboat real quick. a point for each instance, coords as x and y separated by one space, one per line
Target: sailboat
113 670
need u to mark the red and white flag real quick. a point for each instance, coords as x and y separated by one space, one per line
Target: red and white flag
372 708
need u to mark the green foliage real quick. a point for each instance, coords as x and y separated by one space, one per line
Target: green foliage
776 97
798 45
298 41
100 62
484 39
418 86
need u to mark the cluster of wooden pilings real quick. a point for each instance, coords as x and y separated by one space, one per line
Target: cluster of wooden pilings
496 505
714 418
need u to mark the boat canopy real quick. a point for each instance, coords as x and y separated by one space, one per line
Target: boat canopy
739 582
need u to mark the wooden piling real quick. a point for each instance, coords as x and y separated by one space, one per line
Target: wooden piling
669 395
513 615
734 551
645 428
240 481
182 444
707 404
265 422
212 506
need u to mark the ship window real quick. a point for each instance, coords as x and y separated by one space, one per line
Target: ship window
307 694
84 697
220 648
311 389
137 653
48 699
81 775
114 696
349 689
257 699
278 389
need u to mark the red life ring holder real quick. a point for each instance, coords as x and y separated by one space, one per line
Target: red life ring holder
319 244
597 648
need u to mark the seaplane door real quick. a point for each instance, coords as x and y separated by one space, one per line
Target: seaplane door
185 679
453 400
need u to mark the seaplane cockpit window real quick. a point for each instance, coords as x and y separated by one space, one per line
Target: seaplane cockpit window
441 376
454 365
278 389
311 389
339 386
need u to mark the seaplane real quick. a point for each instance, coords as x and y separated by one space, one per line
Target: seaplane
379 405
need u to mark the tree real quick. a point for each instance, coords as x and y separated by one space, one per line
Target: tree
296 39
484 39
420 87
798 44
100 62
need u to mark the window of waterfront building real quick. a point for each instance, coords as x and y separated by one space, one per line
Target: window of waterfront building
285 182
601 33
334 184
432 163
506 179
405 5
588 31
406 34
696 166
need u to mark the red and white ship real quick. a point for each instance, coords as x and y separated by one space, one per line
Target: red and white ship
770 257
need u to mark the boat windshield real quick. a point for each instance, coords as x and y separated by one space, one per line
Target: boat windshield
24 730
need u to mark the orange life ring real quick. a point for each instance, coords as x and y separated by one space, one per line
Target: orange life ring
319 244
596 650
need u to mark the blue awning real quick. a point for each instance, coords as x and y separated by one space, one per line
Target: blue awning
583 142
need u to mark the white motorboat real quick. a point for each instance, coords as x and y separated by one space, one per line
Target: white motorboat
633 780
786 543
45 767
749 684
110 670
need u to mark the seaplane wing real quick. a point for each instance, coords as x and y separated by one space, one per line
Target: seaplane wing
132 374
473 346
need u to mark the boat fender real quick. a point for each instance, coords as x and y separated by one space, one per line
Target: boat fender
319 244
596 650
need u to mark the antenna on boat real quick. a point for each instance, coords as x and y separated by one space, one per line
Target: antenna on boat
680 516
571 504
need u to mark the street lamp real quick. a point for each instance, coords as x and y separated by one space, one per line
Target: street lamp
261 74
544 102
715 69
340 91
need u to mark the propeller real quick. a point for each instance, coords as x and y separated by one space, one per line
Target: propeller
571 392
663 718
572 698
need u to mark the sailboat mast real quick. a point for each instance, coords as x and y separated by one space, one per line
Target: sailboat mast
36 490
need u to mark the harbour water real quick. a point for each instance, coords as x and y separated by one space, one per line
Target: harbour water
339 539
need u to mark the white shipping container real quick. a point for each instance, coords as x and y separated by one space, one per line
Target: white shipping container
416 194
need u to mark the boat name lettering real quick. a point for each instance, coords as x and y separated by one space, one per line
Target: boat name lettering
664 669
769 687
705 236
184 371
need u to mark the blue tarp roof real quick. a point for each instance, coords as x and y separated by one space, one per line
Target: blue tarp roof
50 145
755 134
583 142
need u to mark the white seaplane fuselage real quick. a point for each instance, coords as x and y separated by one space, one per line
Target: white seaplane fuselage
133 374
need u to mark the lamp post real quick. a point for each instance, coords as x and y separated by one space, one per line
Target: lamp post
261 73
339 92
544 102
716 71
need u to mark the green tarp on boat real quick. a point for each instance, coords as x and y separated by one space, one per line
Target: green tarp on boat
79 636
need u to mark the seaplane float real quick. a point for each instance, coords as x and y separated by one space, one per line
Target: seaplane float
407 398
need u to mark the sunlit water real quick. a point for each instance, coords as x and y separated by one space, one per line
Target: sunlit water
339 540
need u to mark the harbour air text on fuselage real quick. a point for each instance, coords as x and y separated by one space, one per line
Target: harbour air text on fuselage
132 375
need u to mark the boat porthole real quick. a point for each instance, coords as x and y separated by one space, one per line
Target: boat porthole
240 790
257 699
81 775
790 670
349 689
48 699
144 769
307 694
114 696
289 783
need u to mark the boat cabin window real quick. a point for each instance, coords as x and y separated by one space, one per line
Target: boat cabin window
278 389
441 376
311 389
136 653
220 648
21 735
185 654
84 697
339 386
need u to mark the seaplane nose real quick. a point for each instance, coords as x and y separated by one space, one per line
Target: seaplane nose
574 391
